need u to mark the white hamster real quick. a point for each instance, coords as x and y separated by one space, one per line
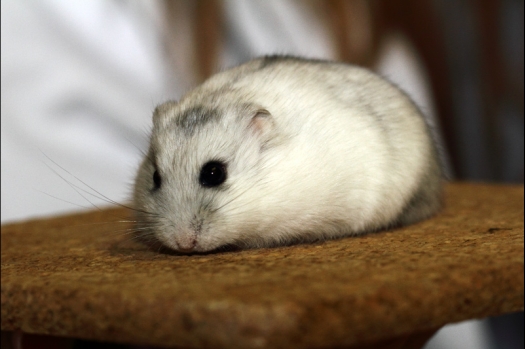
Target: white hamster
282 150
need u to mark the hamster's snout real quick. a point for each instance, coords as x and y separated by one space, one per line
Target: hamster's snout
181 241
186 243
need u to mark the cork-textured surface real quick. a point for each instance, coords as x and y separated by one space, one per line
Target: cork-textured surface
81 276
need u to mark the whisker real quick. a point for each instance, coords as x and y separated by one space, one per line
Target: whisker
236 197
76 188
60 199
100 195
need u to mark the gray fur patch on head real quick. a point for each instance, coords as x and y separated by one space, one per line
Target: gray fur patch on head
196 117
271 60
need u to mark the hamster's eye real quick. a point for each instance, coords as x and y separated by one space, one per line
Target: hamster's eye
213 173
157 181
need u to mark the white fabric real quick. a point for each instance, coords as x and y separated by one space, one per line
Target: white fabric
472 334
79 80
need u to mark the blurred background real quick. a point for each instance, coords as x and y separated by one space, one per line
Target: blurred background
80 80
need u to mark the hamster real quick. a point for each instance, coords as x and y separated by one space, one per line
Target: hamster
283 150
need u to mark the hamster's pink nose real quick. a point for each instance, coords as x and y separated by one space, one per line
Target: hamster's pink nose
187 245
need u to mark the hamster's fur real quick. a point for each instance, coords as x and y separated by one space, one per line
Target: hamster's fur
311 150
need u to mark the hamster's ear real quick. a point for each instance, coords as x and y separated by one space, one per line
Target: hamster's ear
262 126
161 112
261 123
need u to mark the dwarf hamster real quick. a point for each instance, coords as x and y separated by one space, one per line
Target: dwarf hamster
282 150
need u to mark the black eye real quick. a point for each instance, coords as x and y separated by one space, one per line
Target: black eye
157 181
212 174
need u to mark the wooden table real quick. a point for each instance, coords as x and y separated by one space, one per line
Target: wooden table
81 276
